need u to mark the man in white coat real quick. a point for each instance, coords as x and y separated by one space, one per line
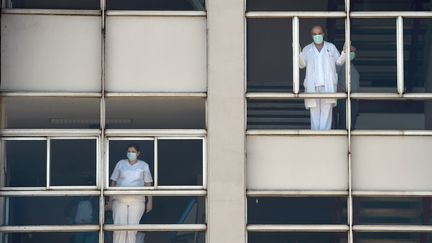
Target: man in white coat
320 59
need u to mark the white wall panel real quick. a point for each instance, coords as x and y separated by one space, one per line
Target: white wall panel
297 163
50 53
156 54
392 163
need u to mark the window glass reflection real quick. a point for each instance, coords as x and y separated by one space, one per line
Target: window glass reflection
171 210
24 162
53 4
292 114
180 162
391 210
398 5
36 237
156 5
309 5
165 237
269 55
418 55
155 113
50 112
393 114
50 210
73 162
297 237
297 210
375 60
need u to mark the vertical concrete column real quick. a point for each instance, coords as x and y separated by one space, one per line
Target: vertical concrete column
226 122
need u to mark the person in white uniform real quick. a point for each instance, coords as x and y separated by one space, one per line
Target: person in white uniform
130 172
320 59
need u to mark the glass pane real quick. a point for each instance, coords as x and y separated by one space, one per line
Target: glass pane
73 162
392 237
297 210
334 33
397 5
297 237
391 210
156 113
281 5
292 114
156 5
392 114
269 55
24 163
166 210
375 60
35 237
49 112
418 55
163 237
53 4
50 210
117 155
180 162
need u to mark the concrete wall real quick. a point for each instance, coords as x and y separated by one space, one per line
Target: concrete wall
226 122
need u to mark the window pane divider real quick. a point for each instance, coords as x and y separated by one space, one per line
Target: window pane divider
400 55
392 228
295 193
296 53
161 13
291 14
157 227
49 228
111 192
68 12
297 132
297 228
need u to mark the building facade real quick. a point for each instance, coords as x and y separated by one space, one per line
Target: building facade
212 93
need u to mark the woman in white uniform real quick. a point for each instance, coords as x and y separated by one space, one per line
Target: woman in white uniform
130 172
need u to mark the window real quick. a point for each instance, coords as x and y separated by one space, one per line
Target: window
198 5
53 4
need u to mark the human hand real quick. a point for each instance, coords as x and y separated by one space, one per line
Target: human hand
149 206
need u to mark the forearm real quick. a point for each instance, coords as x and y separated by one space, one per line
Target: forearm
342 58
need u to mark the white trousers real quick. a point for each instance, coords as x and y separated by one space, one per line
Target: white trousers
126 212
321 115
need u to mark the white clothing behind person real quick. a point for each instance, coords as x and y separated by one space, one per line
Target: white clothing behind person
129 209
320 59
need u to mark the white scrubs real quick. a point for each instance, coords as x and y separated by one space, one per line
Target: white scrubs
321 77
129 209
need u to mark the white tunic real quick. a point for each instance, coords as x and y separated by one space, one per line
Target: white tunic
320 69
127 175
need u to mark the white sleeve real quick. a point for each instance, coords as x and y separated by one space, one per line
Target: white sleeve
340 58
116 173
147 175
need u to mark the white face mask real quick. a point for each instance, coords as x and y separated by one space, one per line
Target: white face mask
318 39
131 156
352 55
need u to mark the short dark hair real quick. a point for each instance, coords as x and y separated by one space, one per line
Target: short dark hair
135 146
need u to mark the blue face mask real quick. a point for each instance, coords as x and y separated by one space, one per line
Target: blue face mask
131 156
318 39
352 55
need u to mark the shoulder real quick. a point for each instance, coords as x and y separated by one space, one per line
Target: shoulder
308 47
330 45
143 164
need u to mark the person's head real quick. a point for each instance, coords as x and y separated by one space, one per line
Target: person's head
352 52
133 151
317 33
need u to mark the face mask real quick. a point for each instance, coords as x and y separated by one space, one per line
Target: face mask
131 156
318 39
352 55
